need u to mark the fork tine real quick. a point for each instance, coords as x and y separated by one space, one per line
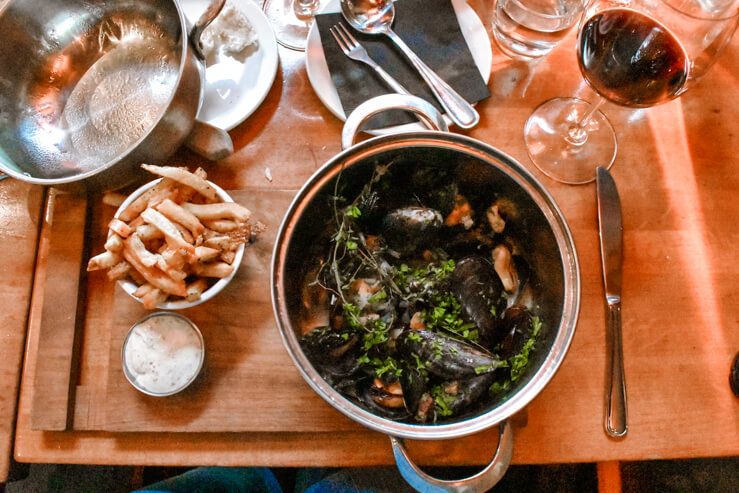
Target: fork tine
338 39
347 33
340 32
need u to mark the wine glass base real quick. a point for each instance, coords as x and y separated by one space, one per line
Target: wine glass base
291 29
546 132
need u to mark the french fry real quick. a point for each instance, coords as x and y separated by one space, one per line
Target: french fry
178 274
166 187
186 178
167 227
228 256
114 243
136 277
119 271
182 216
218 242
154 298
147 232
120 228
175 259
204 254
104 260
141 291
185 233
195 289
156 277
186 193
213 269
138 248
223 225
220 210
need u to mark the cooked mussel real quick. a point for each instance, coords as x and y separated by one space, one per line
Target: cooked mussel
480 293
409 229
332 352
513 271
461 394
413 383
516 324
384 399
444 356
500 214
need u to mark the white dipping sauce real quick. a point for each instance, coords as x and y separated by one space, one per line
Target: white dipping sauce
162 354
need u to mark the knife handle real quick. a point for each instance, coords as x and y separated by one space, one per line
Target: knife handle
616 411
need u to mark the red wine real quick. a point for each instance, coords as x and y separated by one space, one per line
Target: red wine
631 58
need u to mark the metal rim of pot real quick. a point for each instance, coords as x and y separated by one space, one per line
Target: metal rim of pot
499 415
190 43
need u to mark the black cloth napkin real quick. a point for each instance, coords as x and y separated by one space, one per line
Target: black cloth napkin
431 29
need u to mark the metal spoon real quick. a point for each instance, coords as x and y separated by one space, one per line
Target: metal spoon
376 17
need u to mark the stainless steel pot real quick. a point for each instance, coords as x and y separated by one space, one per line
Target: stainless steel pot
551 254
47 48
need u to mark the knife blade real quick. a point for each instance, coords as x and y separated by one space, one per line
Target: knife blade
610 229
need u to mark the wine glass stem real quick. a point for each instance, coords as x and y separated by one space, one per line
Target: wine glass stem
577 135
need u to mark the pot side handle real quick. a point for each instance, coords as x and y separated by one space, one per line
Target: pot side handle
211 142
480 482
426 112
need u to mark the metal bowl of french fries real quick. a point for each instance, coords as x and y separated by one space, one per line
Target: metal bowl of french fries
175 242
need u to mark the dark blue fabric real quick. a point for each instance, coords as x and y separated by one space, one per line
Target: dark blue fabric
220 480
263 480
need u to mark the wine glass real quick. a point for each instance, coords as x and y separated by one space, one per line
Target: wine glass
635 53
291 20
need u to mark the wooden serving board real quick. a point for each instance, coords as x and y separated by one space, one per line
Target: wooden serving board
248 382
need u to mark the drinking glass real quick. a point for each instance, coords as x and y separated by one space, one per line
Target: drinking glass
291 20
636 53
528 29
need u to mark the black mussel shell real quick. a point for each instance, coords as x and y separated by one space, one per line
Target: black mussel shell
515 323
409 229
468 392
444 356
481 295
414 386
373 400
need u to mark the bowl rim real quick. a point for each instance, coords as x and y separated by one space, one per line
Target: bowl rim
129 286
567 255
189 381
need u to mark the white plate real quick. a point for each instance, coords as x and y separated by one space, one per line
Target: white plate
234 89
474 34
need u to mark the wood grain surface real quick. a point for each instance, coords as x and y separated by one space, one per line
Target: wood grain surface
20 216
57 364
676 173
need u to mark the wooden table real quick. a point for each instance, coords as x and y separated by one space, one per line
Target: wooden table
676 172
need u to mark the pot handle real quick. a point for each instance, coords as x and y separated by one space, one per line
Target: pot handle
426 112
211 142
204 21
480 482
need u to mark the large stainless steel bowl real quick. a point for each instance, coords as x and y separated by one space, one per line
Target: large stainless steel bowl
46 50
549 249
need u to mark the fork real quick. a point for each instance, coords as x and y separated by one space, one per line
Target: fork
351 48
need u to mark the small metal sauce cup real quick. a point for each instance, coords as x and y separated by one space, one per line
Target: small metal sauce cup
130 376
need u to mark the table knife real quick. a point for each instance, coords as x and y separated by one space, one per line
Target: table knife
610 230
